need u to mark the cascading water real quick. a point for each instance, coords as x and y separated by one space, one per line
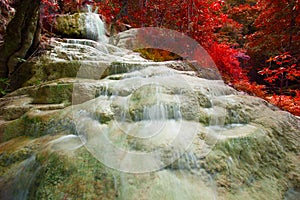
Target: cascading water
139 129
18 188
95 26
146 132
150 126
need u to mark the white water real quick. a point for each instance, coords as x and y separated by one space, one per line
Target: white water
18 188
144 119
95 26
149 130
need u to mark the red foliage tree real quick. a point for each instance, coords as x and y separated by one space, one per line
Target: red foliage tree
282 69
198 19
278 30
276 41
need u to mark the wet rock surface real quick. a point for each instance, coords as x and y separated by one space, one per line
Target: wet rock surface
76 25
211 141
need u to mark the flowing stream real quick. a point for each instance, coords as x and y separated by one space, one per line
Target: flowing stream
148 124
145 120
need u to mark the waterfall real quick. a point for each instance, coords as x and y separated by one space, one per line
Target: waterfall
95 27
146 125
18 188
138 129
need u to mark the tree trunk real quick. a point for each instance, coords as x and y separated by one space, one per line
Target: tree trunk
22 37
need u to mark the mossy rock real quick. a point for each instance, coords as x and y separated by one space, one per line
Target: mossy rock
70 26
245 164
37 124
14 152
79 177
53 93
158 55
120 68
37 72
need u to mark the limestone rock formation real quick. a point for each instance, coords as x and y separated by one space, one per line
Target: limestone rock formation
210 141
91 120
77 25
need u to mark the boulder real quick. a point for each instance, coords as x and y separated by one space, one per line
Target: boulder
77 25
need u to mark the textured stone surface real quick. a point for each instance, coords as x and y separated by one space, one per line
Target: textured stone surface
22 37
77 25
243 147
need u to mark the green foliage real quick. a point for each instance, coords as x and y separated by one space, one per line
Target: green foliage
4 86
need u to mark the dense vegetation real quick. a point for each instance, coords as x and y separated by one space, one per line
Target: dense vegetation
254 43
